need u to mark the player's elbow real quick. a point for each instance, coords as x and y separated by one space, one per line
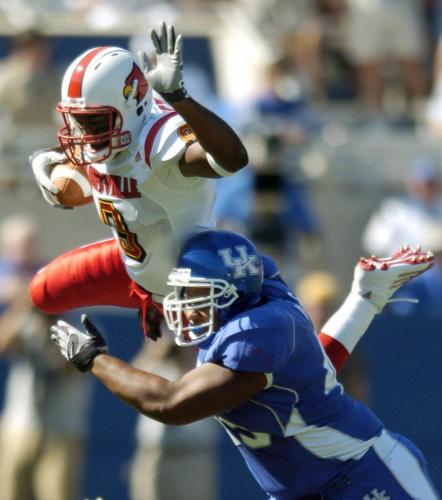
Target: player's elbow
173 409
240 160
174 418
229 160
235 163
166 414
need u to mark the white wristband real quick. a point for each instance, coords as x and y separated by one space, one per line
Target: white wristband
216 167
349 323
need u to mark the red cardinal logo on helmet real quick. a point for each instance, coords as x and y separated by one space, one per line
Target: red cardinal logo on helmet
141 88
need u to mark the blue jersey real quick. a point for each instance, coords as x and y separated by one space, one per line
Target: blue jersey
302 431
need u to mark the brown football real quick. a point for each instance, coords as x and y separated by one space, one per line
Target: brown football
73 184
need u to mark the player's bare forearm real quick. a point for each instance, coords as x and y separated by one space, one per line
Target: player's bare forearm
227 153
205 391
13 320
214 134
11 324
146 392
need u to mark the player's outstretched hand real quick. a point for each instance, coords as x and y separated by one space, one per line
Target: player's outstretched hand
76 346
378 279
42 163
166 77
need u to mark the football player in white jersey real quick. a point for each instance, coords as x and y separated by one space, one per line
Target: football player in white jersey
148 149
148 157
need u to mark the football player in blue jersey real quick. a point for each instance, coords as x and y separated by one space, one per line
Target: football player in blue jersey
264 375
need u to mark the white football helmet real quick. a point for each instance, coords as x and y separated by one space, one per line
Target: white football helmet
105 100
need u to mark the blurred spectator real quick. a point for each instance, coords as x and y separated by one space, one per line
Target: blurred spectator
427 288
291 27
282 123
167 457
336 71
316 45
434 107
24 78
320 294
43 422
275 19
27 90
235 198
402 220
381 35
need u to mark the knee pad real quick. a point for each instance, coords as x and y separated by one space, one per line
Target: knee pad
40 297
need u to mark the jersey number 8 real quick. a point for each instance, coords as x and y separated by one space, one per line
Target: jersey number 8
128 241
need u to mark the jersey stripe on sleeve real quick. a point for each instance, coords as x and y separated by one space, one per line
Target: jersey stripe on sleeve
152 134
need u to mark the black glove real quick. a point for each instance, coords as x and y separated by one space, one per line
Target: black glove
151 322
76 346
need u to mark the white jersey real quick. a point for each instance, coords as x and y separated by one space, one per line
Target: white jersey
150 205
401 221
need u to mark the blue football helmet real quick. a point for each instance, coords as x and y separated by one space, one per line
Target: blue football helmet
229 269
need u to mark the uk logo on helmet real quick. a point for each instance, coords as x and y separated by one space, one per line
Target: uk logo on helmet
135 80
242 265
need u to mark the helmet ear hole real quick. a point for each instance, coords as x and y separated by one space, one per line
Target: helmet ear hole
139 110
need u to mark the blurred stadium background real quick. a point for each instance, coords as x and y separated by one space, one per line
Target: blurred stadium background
324 154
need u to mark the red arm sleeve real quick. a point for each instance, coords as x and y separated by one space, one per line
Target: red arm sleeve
337 353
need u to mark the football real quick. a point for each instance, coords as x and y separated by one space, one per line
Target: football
73 184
